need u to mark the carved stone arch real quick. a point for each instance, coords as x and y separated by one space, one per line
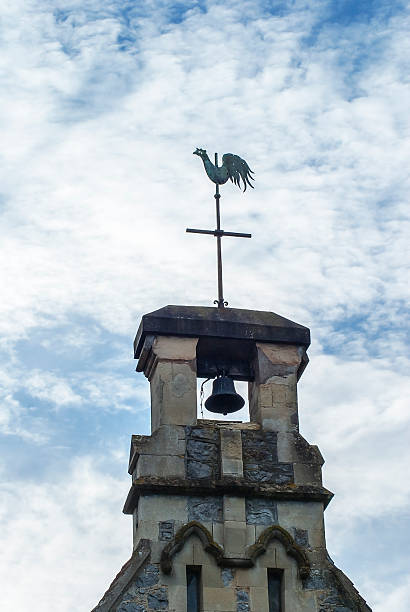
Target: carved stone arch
292 549
182 535
253 552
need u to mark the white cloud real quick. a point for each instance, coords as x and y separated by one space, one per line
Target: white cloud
357 413
47 386
390 596
63 541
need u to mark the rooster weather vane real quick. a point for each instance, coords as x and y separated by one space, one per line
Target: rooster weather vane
234 168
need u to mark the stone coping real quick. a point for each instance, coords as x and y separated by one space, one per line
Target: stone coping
233 486
226 323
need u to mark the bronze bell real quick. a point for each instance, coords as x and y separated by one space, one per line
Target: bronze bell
224 398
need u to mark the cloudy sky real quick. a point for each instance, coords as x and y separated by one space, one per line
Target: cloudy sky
102 106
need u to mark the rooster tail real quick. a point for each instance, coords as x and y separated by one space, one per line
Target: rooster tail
238 169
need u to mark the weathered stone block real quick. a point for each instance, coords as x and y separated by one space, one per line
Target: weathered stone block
186 555
202 453
177 598
303 515
281 473
307 474
219 600
281 354
157 465
265 395
259 447
242 600
301 537
281 417
231 443
182 386
254 576
233 508
201 557
211 576
200 450
147 530
227 576
148 577
250 535
153 507
175 348
234 538
261 511
198 470
317 538
205 509
156 551
315 581
260 458
231 467
173 394
231 452
218 533
130 606
287 451
259 599
298 600
166 440
209 434
158 600
166 530
272 396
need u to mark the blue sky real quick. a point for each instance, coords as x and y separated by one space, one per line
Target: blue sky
102 106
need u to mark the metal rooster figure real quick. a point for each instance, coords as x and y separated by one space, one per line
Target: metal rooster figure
234 168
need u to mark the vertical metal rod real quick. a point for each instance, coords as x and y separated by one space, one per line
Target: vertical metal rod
221 301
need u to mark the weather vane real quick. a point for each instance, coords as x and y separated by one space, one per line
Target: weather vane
234 168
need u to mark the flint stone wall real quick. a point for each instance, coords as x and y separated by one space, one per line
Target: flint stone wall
195 453
260 458
237 590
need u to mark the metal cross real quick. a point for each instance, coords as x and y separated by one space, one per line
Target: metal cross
218 233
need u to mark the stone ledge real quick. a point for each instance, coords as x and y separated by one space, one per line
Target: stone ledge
224 486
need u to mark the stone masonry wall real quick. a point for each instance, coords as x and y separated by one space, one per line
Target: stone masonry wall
235 499
234 482
234 522
234 589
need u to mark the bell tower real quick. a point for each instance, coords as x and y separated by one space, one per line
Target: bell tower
227 516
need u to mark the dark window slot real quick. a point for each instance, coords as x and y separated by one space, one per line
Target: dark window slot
193 585
275 591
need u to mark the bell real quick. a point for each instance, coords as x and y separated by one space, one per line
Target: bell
224 398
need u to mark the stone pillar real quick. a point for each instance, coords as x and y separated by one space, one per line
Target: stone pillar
169 363
273 394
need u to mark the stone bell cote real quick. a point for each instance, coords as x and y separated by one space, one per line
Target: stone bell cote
175 345
227 516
